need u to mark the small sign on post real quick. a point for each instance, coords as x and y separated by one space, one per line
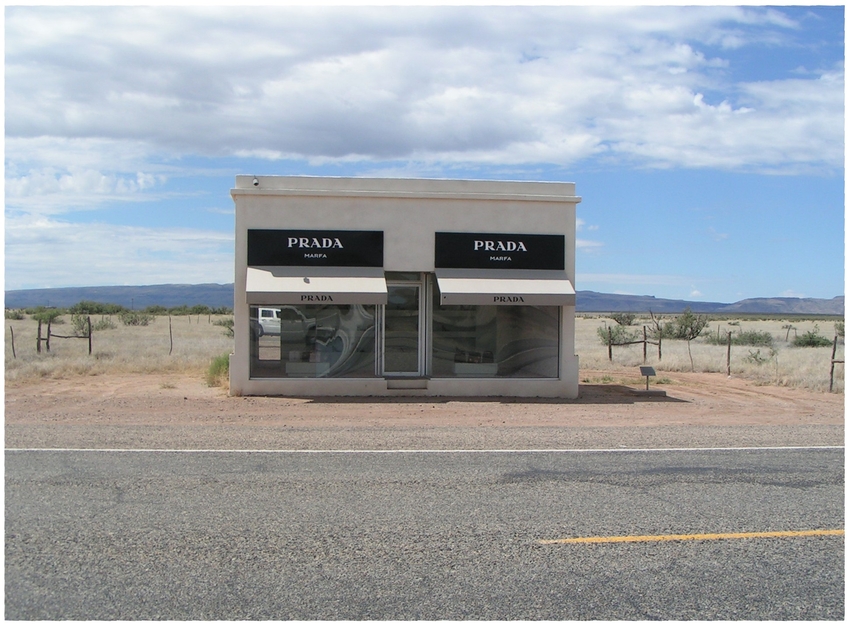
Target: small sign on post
647 371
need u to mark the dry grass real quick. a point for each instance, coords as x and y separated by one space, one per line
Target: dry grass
783 364
198 342
124 349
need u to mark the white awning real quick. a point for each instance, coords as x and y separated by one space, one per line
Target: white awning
299 285
529 288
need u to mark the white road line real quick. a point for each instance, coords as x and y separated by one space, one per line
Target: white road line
417 451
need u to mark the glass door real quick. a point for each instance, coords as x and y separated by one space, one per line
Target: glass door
403 330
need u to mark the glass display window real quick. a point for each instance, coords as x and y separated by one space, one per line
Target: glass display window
312 341
487 341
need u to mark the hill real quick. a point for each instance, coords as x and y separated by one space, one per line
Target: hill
217 295
133 297
591 301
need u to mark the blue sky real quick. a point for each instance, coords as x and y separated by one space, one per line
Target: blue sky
707 142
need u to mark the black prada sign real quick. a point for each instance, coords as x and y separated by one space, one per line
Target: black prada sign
492 250
327 248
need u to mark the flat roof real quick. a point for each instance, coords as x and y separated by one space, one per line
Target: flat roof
405 187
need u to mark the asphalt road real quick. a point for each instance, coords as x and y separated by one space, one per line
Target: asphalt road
421 535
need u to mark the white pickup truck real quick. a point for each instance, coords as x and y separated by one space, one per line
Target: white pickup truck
287 321
269 321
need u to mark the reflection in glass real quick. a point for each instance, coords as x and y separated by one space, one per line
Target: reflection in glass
494 341
314 341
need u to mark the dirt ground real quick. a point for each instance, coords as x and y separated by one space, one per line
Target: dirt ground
179 412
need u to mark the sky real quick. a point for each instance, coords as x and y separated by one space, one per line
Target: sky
706 142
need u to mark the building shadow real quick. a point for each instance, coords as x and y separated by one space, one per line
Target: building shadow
588 395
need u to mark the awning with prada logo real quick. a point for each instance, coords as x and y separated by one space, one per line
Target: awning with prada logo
528 288
270 285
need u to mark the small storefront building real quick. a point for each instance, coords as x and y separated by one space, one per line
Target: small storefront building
380 287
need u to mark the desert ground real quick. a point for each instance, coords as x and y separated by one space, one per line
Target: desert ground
181 411
133 392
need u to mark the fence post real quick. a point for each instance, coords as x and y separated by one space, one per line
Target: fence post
610 343
729 353
170 337
832 363
12 332
38 340
644 344
88 323
659 345
49 321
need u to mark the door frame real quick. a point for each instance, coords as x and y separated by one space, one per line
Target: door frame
423 330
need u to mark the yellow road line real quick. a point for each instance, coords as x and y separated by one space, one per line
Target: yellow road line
696 537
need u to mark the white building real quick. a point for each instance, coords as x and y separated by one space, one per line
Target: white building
377 287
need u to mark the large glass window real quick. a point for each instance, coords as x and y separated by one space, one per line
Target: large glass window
313 341
493 341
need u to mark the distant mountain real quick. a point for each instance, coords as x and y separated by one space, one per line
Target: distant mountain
211 294
803 306
593 302
216 295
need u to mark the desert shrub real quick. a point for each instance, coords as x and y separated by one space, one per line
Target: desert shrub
623 319
80 324
689 326
222 310
757 358
95 308
811 339
81 328
103 324
667 331
133 318
218 373
661 329
44 315
180 310
227 323
743 338
155 309
14 314
33 310
753 338
839 329
619 334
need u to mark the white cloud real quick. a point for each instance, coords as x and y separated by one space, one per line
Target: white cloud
666 280
105 105
57 174
717 236
582 225
587 245
508 85
44 252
